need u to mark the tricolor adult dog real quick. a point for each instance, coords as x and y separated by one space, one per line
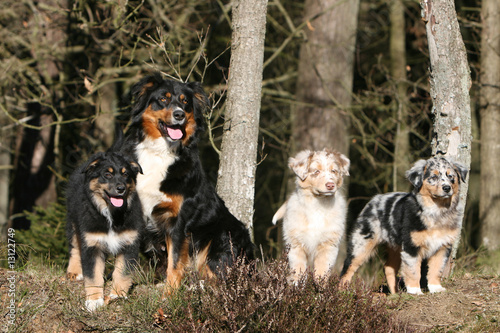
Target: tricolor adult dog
415 226
104 216
314 215
182 210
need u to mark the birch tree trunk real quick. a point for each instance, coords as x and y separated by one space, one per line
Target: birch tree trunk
489 206
324 85
450 84
236 179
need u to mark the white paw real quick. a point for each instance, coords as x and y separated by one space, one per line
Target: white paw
435 288
414 290
93 304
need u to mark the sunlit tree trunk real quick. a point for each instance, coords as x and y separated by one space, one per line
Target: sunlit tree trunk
489 208
238 160
450 84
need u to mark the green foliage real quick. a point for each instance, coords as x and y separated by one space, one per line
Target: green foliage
46 239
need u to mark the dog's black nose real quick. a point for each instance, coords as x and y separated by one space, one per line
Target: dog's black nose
179 115
120 188
447 188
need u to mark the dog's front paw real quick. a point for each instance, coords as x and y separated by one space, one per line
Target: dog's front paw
92 304
414 290
436 288
74 276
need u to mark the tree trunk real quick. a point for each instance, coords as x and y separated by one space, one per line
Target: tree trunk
236 180
398 73
489 208
35 183
325 76
5 169
105 121
450 84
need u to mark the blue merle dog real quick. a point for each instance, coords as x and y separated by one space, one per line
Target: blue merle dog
422 224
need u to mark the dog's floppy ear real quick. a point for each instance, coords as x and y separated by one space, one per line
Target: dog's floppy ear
201 100
145 85
461 170
416 174
200 103
136 167
345 163
140 91
92 162
300 163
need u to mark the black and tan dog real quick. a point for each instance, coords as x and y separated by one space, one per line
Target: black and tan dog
419 225
104 216
183 212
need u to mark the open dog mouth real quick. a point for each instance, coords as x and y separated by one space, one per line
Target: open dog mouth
115 200
174 132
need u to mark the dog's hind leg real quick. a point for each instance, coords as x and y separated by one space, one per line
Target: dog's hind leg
178 260
391 268
358 254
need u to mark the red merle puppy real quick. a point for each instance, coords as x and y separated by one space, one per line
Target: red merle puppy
181 207
104 216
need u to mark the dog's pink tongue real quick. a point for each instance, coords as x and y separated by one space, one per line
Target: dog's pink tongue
117 202
174 133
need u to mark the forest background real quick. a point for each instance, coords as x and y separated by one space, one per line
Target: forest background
67 66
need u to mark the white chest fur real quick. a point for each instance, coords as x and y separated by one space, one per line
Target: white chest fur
311 221
111 241
155 157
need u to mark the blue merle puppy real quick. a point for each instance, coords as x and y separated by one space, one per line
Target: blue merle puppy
422 224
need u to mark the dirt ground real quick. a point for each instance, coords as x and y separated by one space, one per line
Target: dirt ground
470 304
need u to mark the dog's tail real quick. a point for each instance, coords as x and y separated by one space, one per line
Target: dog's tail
280 213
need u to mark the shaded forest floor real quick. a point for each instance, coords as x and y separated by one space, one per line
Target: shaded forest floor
47 302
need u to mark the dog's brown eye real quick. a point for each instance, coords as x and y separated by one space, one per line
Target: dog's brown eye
163 99
316 172
334 171
184 101
108 175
